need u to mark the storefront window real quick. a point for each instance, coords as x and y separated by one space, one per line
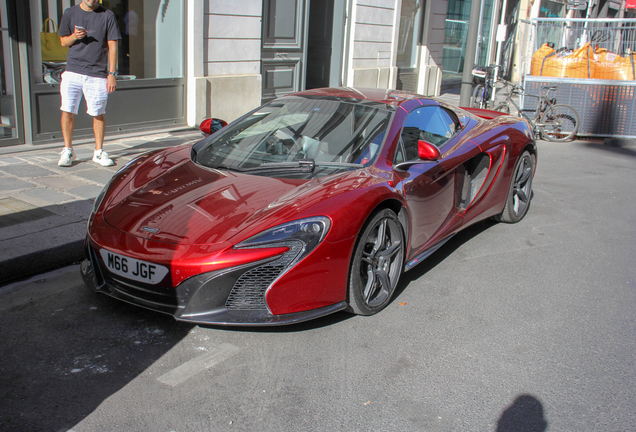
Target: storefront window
7 92
456 35
551 9
152 44
409 31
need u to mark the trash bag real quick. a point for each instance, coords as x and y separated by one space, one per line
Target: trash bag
537 58
614 67
578 64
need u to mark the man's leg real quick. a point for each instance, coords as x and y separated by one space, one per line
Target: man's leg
68 155
68 124
71 94
99 128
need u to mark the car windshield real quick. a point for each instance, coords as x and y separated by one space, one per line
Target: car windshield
298 133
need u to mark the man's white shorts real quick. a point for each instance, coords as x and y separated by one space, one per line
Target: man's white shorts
94 90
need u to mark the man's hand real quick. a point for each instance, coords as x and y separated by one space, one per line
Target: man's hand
79 33
111 84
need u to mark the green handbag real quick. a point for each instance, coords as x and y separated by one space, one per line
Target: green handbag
52 49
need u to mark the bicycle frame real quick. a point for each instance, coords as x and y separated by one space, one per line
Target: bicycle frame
542 104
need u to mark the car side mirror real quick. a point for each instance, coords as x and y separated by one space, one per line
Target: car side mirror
211 125
427 151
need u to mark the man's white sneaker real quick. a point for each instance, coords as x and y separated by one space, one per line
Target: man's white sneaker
101 157
67 157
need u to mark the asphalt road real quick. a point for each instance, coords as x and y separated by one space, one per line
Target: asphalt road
506 328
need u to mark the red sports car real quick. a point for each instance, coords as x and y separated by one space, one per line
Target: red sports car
313 203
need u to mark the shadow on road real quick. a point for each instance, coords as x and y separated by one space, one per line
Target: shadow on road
616 146
524 415
440 255
65 350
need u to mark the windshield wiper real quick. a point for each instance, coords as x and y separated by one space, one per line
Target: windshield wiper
339 165
304 165
226 167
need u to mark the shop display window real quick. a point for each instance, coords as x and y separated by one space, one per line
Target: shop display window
152 44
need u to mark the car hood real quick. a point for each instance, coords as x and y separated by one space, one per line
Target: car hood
172 199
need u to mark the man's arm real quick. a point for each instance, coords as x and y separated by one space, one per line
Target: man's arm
111 85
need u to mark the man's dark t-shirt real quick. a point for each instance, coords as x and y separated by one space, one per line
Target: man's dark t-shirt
89 56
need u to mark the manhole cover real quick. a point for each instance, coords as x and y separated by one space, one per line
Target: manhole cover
13 212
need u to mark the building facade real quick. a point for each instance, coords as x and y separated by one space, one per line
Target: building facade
181 61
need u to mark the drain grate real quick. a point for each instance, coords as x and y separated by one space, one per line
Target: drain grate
14 212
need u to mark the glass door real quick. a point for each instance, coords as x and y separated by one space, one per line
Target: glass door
10 118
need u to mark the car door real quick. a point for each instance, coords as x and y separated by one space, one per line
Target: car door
431 187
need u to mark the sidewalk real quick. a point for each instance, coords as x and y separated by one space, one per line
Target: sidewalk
44 208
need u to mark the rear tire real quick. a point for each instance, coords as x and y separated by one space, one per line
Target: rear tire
376 264
559 122
520 193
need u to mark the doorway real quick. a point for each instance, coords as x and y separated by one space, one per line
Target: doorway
302 45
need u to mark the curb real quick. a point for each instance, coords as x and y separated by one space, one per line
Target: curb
41 261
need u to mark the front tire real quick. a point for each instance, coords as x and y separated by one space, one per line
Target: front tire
520 193
376 264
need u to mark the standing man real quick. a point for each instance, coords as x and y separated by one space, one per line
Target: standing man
91 32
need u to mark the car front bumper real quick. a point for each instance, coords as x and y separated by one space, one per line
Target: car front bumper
201 299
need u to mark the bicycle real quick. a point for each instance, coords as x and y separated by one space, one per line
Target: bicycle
485 79
554 122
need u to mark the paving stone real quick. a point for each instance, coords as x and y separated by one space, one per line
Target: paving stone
81 208
130 142
60 182
84 153
43 156
88 191
10 160
14 211
114 147
11 183
44 196
99 175
78 165
26 170
44 159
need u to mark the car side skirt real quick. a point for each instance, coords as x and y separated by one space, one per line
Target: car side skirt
425 254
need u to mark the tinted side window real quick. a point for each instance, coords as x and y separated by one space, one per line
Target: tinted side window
430 123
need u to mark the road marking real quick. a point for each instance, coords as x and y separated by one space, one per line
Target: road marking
190 368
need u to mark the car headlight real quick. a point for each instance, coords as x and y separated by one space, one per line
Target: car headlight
301 236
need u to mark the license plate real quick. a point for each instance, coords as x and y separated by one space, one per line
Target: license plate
131 268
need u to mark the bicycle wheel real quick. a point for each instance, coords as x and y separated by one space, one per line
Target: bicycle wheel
559 123
477 101
503 108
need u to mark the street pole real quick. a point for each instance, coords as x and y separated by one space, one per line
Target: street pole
469 59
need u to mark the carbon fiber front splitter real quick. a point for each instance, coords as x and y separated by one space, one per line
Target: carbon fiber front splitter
215 315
